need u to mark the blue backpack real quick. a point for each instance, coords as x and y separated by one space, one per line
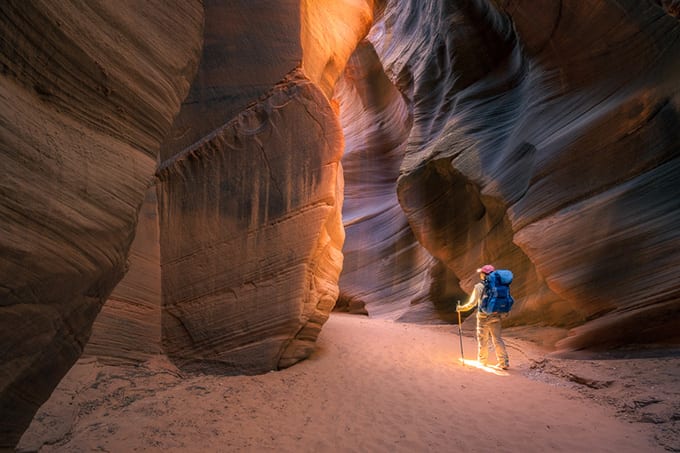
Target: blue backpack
496 297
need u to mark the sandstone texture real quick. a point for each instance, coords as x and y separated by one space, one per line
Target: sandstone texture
248 48
545 140
386 272
251 235
247 164
251 187
128 327
87 93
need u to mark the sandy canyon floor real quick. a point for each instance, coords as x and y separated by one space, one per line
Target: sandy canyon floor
371 386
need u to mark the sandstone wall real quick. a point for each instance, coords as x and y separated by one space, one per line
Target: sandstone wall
386 272
541 136
249 47
251 235
544 140
616 130
251 187
87 93
128 327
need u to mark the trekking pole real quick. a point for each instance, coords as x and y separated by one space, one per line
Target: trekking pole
460 334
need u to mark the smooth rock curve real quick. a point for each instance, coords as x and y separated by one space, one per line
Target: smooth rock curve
87 93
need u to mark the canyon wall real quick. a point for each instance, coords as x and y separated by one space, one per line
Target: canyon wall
386 272
541 136
87 94
251 188
606 240
545 140
251 235
128 327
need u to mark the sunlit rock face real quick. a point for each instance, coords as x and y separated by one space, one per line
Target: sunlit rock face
331 30
251 187
86 96
251 235
252 46
386 272
545 140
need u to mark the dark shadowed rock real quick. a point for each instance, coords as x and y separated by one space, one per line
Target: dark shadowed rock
86 96
128 328
386 272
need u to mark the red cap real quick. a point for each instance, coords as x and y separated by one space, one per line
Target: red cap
487 269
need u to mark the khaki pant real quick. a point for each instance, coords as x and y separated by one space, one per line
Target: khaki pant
490 326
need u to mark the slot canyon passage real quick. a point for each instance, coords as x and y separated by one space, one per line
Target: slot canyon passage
191 188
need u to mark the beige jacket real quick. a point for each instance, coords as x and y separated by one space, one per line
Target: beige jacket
475 298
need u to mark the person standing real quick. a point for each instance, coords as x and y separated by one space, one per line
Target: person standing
488 325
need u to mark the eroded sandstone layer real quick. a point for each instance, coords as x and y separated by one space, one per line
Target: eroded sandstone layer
386 272
128 327
251 186
87 93
251 235
545 140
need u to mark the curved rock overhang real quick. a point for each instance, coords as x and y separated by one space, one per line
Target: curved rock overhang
544 140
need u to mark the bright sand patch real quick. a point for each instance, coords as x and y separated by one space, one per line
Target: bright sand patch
372 386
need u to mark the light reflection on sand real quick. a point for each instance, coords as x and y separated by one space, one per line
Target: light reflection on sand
488 368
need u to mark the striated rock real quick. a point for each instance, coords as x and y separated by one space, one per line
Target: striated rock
541 136
386 272
614 123
543 141
128 327
86 96
250 200
251 235
249 47
417 48
252 46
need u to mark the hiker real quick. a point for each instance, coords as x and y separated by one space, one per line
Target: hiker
488 324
